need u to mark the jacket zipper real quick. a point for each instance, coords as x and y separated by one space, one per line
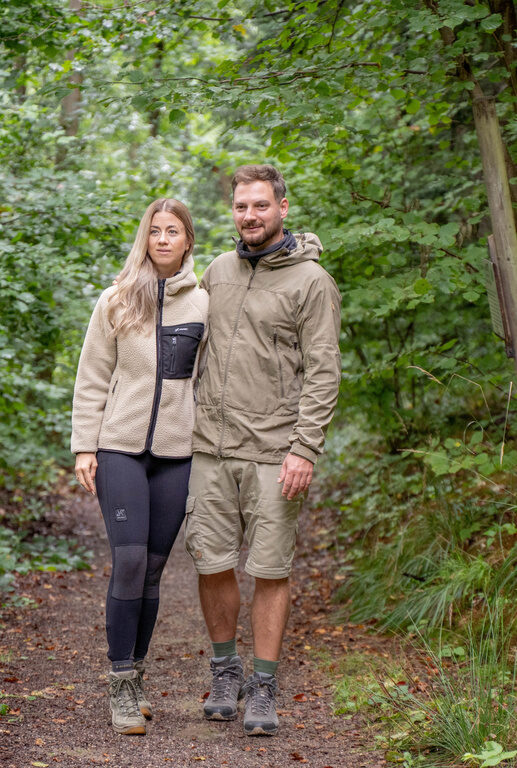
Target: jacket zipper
174 342
158 383
275 342
228 358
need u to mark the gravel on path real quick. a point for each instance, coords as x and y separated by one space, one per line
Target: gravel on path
53 670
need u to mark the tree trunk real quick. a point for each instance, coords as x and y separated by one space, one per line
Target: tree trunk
69 119
499 200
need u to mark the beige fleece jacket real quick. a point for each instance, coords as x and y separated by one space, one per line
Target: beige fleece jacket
135 392
273 365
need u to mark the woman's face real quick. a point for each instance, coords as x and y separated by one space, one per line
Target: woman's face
167 243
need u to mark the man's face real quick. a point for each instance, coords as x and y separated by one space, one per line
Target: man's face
258 216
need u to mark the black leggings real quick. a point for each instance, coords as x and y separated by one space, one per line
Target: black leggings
142 500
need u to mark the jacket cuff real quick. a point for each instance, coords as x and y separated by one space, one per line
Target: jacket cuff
306 453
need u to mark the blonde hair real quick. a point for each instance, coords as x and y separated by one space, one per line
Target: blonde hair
134 302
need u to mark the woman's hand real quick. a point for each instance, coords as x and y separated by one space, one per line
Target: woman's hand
85 469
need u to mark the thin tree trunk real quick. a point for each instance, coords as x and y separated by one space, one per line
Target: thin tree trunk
70 105
499 200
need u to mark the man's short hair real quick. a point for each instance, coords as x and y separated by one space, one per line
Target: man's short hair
246 174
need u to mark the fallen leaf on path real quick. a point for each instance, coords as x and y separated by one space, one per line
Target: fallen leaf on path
39 742
299 725
298 757
165 693
199 757
40 765
300 697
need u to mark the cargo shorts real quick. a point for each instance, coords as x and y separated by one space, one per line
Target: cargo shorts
230 499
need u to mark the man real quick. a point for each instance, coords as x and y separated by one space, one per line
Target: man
265 398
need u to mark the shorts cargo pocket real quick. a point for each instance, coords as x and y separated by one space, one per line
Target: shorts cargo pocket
192 534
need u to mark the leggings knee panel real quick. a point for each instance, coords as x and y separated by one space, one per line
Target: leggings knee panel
129 569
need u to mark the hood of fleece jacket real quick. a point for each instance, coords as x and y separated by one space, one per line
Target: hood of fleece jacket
185 278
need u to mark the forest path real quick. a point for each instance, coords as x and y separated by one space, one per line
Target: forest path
53 665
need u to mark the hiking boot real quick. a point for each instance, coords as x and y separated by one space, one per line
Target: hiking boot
260 718
228 677
125 712
143 703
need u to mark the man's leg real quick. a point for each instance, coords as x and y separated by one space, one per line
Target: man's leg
271 526
269 613
220 603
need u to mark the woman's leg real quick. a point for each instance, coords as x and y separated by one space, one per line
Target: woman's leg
168 488
123 491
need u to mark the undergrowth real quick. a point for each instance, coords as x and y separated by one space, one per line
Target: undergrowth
427 545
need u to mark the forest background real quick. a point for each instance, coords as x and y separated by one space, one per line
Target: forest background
367 109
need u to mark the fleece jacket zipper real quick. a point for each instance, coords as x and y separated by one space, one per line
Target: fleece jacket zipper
159 377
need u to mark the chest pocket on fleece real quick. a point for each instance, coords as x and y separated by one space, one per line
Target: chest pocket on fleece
179 346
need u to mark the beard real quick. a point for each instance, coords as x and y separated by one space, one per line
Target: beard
262 235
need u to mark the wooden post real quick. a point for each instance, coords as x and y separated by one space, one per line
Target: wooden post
499 201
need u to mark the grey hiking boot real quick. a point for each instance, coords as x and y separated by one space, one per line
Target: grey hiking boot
228 677
260 718
143 702
125 712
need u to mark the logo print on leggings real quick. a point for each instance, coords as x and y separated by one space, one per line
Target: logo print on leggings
120 514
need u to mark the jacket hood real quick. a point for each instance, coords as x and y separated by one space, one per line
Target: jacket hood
308 248
185 278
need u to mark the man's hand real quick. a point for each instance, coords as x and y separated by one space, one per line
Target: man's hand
85 469
296 475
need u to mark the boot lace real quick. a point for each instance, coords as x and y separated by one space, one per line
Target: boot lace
261 693
125 691
223 679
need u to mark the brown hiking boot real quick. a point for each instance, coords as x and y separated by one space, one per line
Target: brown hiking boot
125 713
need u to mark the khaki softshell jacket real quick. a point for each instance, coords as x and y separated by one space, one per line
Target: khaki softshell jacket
135 392
273 365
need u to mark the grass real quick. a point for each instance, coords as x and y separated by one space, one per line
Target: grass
460 700
433 559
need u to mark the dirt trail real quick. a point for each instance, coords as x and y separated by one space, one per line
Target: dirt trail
53 665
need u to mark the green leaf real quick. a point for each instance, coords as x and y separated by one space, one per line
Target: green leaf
491 23
422 286
177 116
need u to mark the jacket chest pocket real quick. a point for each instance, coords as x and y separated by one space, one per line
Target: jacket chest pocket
179 345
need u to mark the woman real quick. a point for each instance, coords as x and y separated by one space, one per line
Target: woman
132 422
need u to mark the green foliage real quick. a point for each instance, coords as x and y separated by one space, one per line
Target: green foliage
20 554
469 712
368 114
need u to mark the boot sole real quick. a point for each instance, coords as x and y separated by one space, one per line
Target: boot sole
259 731
134 730
219 716
146 713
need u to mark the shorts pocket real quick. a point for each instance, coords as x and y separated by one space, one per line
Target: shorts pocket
192 536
